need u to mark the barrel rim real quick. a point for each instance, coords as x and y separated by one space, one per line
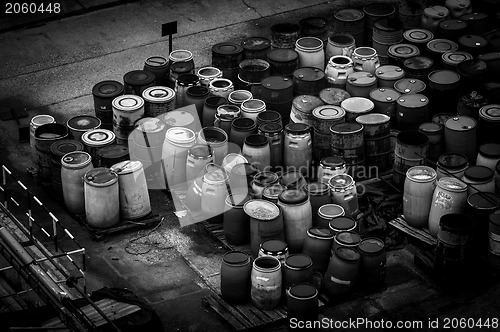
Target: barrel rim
238 260
372 240
130 79
108 134
139 103
275 211
110 182
119 89
65 162
148 96
342 241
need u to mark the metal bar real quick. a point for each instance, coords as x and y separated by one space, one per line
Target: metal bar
4 182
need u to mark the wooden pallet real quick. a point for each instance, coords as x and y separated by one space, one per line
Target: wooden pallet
420 234
217 232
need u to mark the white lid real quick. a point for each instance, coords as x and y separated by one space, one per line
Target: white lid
128 103
158 94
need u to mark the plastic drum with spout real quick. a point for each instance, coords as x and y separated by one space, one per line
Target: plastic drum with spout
461 136
102 201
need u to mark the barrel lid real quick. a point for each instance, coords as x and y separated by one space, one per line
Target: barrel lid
337 211
333 162
479 173
475 16
253 104
413 101
348 237
349 14
361 78
303 291
244 169
431 128
333 96
282 55
309 74
452 183
98 137
256 43
126 167
490 150
158 94
227 48
297 128
306 103
389 72
200 152
113 151
385 95
379 9
420 36
460 123
181 67
274 246
455 57
452 24
317 188
228 111
346 128
197 91
340 181
277 83
216 176
324 233
273 191
177 118
101 176
444 77
156 61
61 147
271 128
373 119
357 105
180 55
138 77
298 261
293 196
150 125
484 200
128 103
235 257
261 209
409 85
348 254
215 101
328 112
436 12
76 158
418 62
371 245
490 112
309 42
180 135
108 89
187 79
240 96
472 41
388 25
403 51
452 160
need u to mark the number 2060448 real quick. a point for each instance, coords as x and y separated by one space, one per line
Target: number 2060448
32 8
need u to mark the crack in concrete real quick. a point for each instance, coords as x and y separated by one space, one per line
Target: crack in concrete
251 7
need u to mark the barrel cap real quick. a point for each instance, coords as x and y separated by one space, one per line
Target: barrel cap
76 158
266 178
472 41
308 74
444 77
357 105
348 237
177 118
472 68
108 89
412 100
306 103
293 196
389 72
409 85
349 14
371 245
228 111
138 77
373 119
261 209
98 137
453 58
297 128
235 257
384 95
490 150
187 79
303 291
484 201
298 261
181 67
346 128
479 173
128 103
61 147
158 94
256 43
342 223
490 112
436 12
324 233
156 61
126 167
100 176
293 180
328 113
227 48
283 55
403 51
418 36
274 246
347 254
460 123
209 72
361 78
333 96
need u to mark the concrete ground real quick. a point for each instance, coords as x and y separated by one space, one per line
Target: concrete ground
51 66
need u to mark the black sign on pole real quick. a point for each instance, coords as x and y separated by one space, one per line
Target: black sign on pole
169 29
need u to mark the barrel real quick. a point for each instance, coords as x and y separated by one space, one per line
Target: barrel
302 107
435 133
342 272
318 245
432 16
480 206
411 150
127 109
441 118
451 28
257 151
481 178
241 177
251 72
104 92
274 134
177 69
293 179
384 102
297 218
178 141
488 155
359 84
102 201
344 193
314 26
261 180
208 74
210 109
323 118
181 56
283 61
217 140
410 86
418 189
235 272
225 115
338 68
302 303
489 123
136 81
340 43
298 268
410 13
269 117
419 38
386 32
460 136
57 150
266 281
36 122
266 222
411 111
45 135
330 166
473 73
376 140
240 129
451 164
477 22
494 240
351 21
251 108
443 91
95 139
372 271
197 159
158 100
308 81
388 75
284 35
159 66
356 106
256 47
226 56
473 44
333 96
272 192
374 12
275 248
347 142
451 59
346 239
112 154
311 52
238 97
297 147
231 160
74 165
133 190
365 59
418 67
214 190
341 223
236 223
79 124
319 195
398 53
